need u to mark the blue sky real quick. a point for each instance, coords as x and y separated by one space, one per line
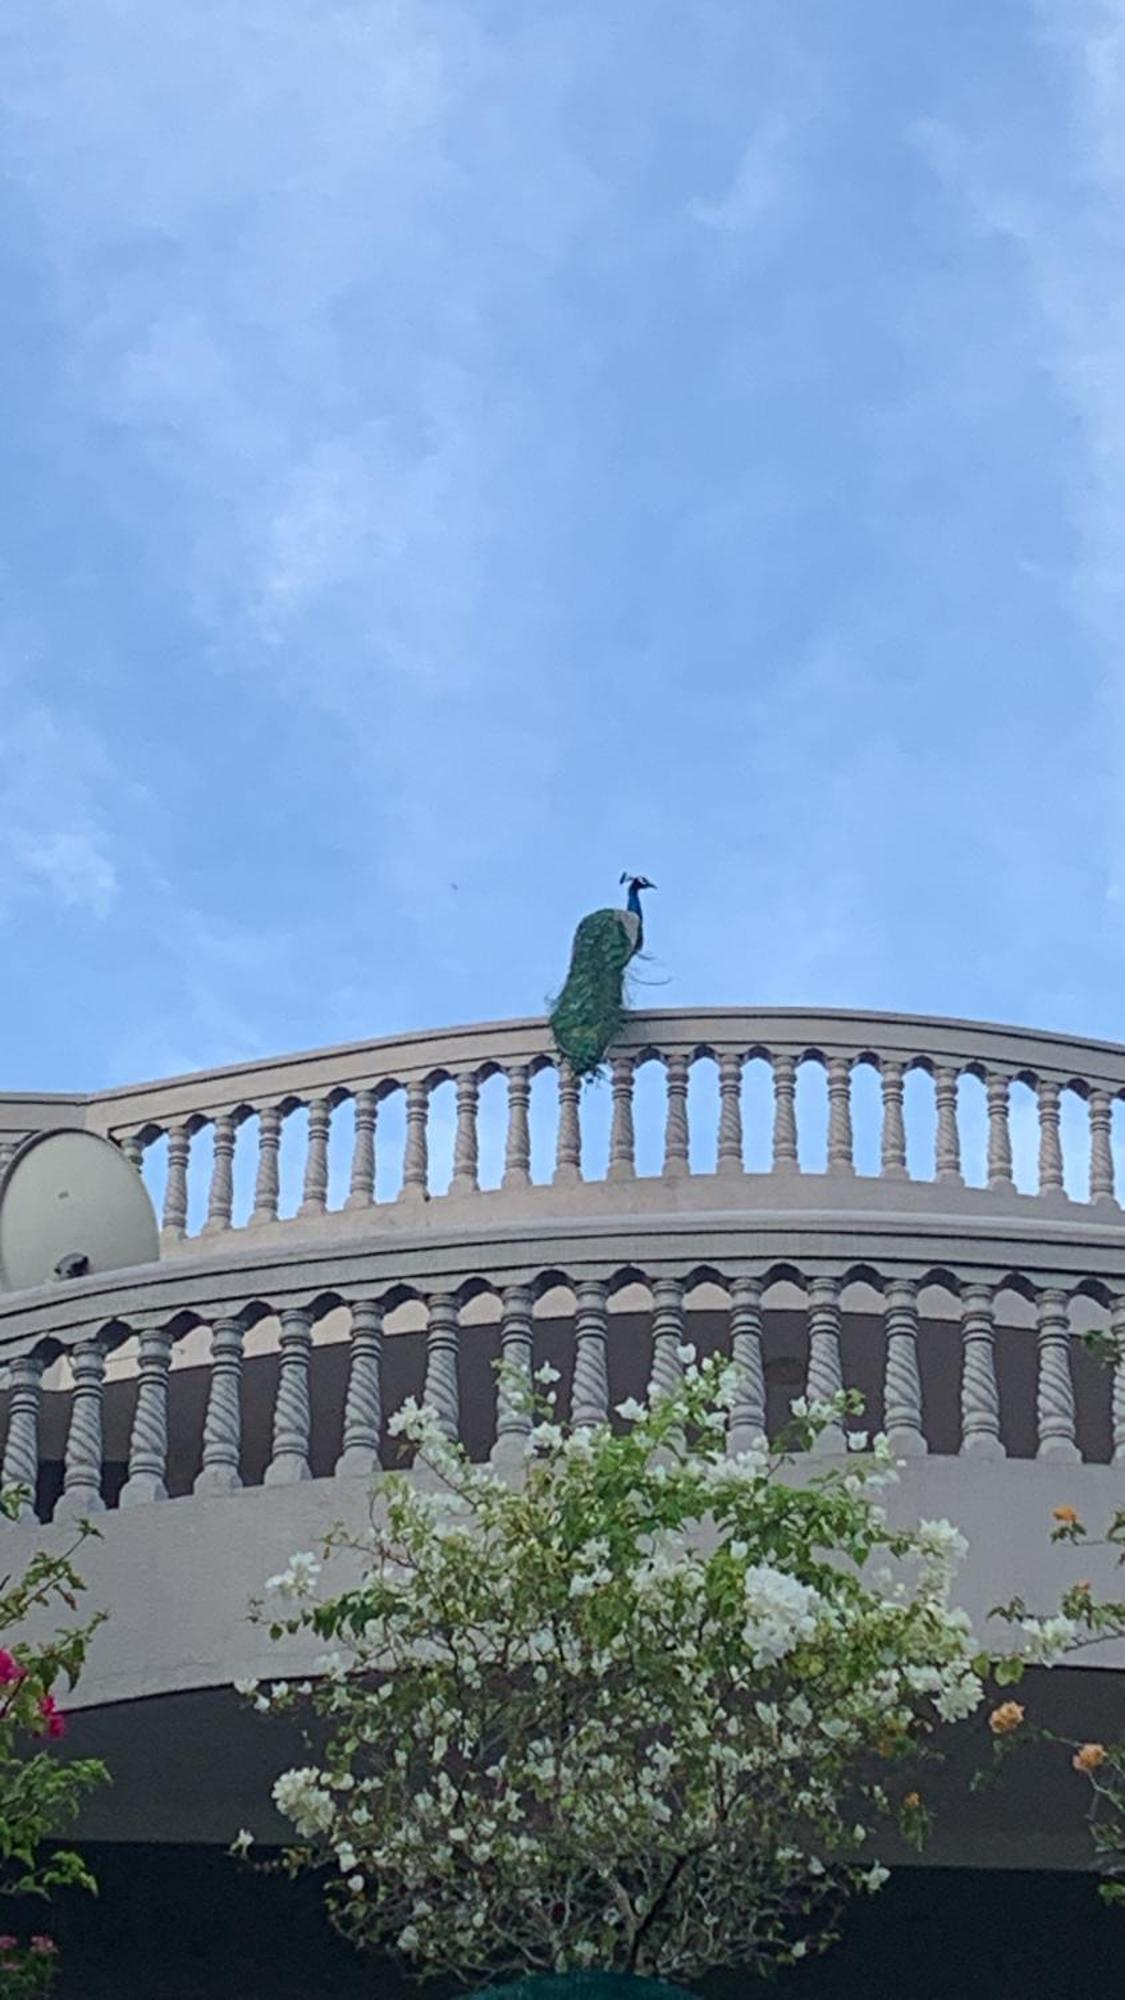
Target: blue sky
494 444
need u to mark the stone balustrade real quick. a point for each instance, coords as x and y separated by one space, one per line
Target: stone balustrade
274 1368
879 1109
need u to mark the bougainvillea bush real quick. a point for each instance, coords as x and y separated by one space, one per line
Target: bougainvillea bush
39 1792
647 1708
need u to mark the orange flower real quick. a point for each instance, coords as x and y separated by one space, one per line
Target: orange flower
912 1801
1089 1757
1004 1719
1068 1515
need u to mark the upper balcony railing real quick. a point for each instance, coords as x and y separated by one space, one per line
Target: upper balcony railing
880 1108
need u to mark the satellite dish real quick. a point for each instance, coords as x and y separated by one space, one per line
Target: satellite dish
71 1204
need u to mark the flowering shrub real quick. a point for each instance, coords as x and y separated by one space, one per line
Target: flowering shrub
39 1794
1083 1620
644 1711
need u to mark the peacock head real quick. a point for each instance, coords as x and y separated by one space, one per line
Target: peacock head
637 882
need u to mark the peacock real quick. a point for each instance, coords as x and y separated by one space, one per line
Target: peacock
587 1016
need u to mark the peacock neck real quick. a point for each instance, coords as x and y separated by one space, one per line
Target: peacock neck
634 902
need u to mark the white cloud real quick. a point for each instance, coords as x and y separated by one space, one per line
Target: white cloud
73 865
56 786
761 176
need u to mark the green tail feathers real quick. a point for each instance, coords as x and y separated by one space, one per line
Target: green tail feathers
589 1012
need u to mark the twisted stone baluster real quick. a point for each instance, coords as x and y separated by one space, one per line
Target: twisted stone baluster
267 1181
667 1335
361 1184
622 1160
676 1136
784 1113
825 1377
589 1396
291 1416
363 1410
174 1219
998 1092
730 1114
980 1397
902 1387
748 1411
222 1425
517 1150
148 1444
1055 1396
1102 1191
314 1195
133 1148
568 1155
1118 1403
892 1151
220 1200
21 1447
442 1391
465 1150
416 1158
513 1416
840 1154
1050 1140
948 1130
82 1482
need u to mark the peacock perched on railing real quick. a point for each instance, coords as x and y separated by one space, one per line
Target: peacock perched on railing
587 1016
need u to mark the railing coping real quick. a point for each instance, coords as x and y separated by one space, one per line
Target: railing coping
421 1051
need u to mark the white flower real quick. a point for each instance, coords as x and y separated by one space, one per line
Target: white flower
545 1437
685 1352
247 1687
298 1579
545 1373
857 1440
800 1406
300 1795
941 1540
799 1949
875 1877
407 1937
242 1843
630 1411
355 1884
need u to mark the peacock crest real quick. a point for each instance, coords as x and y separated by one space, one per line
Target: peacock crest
589 1013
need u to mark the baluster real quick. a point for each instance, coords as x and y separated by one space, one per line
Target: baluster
730 1114
1102 1190
892 1151
267 1181
416 1158
902 1387
21 1447
7 1154
676 1137
148 1444
999 1134
363 1410
220 1200
291 1416
667 1337
222 1425
948 1130
980 1397
1118 1403
568 1155
314 1194
622 1162
174 1219
784 1113
589 1396
513 1412
442 1392
1055 1397
82 1482
517 1151
134 1150
361 1184
465 1153
825 1377
1050 1141
748 1411
840 1154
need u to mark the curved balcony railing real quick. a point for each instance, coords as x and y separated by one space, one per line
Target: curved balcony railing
875 1108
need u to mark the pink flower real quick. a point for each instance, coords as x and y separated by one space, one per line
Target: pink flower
8 1943
43 1945
11 1671
55 1720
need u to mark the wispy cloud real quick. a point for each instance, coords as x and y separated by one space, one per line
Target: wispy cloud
56 825
764 171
